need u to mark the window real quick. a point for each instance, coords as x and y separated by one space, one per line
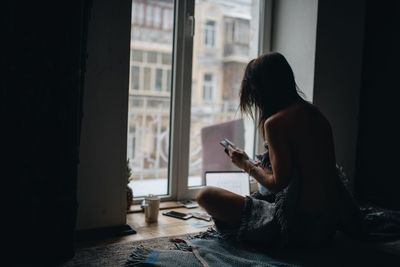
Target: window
136 55
159 80
237 31
135 77
157 17
149 15
152 57
209 34
147 79
168 85
167 19
208 87
176 75
137 13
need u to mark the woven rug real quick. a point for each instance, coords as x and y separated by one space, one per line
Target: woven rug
117 254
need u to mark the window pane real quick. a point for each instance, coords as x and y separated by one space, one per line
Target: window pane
208 87
217 70
159 79
147 79
209 34
166 59
135 77
168 80
149 104
152 57
137 55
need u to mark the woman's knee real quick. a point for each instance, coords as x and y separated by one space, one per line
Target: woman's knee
206 196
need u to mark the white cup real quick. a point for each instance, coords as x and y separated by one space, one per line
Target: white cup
151 206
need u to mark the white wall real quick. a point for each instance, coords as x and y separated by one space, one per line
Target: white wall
323 42
294 28
101 176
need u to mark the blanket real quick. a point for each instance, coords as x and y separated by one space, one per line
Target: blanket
204 252
381 248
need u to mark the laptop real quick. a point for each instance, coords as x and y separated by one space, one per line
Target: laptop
235 181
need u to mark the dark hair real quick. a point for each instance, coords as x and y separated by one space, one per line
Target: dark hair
269 85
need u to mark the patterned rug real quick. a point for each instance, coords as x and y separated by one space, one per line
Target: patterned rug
117 254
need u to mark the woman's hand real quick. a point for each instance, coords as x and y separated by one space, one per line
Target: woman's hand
238 156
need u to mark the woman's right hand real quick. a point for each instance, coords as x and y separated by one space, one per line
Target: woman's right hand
238 156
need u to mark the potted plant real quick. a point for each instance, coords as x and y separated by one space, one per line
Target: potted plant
129 191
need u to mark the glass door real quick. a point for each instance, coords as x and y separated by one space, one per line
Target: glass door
226 38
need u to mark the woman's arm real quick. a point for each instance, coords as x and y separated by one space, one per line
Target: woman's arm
280 156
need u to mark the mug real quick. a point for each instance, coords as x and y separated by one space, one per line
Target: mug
151 206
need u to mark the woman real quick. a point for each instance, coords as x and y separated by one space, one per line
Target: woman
305 202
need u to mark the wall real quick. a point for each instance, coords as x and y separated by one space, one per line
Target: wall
338 65
101 179
294 28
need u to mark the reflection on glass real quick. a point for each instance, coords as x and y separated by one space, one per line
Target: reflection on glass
150 95
226 38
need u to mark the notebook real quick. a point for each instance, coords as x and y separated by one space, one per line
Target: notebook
235 181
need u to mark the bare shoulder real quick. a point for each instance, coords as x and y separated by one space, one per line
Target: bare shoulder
284 117
275 124
295 118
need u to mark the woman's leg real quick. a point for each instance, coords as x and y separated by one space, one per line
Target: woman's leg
221 204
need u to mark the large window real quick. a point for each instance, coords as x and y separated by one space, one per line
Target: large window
183 96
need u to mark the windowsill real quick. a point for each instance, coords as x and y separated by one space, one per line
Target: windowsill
163 205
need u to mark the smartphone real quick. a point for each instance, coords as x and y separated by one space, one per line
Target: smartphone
189 204
178 215
225 143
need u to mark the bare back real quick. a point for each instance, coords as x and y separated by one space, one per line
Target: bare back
312 152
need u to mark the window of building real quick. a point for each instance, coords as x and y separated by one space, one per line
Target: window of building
147 78
209 33
237 30
137 13
167 18
136 55
159 80
152 57
135 77
149 15
157 17
208 87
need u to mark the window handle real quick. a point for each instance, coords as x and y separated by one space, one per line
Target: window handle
190 24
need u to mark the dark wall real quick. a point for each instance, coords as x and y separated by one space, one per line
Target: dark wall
377 169
41 91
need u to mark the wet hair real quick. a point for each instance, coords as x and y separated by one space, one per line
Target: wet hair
268 85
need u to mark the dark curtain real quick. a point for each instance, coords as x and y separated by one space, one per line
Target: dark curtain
377 167
43 62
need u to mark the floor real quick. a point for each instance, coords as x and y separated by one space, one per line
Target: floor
166 226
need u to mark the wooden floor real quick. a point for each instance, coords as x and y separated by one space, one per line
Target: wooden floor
166 226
